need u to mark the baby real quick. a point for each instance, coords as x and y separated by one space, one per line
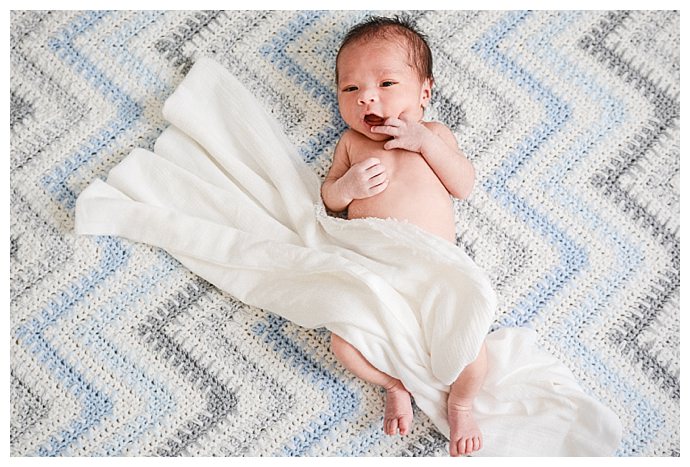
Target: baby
390 163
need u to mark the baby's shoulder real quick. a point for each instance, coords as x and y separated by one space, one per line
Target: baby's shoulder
351 140
343 148
437 127
442 131
345 140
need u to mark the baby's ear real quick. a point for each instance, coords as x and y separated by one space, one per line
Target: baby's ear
426 91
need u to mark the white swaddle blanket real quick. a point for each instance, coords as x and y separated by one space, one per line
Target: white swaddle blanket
227 194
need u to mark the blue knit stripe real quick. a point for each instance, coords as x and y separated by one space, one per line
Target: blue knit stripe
343 402
557 112
275 50
160 401
95 404
128 111
628 256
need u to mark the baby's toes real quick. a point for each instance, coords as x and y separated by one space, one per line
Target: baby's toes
404 425
456 446
453 448
469 446
462 446
392 426
473 445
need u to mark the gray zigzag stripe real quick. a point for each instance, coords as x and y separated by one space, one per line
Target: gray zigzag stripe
31 406
453 115
666 112
14 246
220 399
505 114
519 256
291 113
23 23
429 443
20 109
26 269
171 47
285 401
71 110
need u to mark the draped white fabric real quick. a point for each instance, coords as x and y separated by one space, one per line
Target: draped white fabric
227 194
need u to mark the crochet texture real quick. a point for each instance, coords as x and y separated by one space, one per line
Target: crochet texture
570 118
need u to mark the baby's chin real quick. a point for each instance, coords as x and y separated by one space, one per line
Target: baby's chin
371 135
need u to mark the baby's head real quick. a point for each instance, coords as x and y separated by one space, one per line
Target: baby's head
397 30
383 69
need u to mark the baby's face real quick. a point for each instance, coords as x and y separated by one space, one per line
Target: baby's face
375 82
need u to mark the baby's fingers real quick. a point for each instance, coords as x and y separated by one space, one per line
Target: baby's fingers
386 130
375 170
392 144
368 163
377 180
392 121
376 189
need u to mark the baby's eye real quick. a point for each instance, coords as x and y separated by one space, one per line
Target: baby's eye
386 84
350 88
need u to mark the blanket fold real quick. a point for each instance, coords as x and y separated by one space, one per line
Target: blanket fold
227 194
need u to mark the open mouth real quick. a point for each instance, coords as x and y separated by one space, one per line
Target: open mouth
373 120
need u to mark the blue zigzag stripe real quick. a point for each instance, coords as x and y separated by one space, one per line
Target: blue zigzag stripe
573 257
343 401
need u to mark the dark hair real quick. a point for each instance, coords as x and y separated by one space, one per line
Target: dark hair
398 27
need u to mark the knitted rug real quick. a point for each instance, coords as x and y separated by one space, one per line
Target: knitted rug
571 120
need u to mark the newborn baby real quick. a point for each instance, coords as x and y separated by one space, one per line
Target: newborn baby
390 163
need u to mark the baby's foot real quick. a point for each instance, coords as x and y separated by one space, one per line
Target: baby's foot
465 436
398 413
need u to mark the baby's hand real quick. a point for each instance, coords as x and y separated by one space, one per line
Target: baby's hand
364 179
407 134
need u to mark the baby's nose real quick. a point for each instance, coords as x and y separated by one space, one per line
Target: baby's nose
367 96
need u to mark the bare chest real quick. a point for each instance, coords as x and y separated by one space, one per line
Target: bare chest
414 191
401 166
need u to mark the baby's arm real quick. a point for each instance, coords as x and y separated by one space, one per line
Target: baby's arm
448 162
345 183
436 143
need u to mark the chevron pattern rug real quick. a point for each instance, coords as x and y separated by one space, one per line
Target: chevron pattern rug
571 120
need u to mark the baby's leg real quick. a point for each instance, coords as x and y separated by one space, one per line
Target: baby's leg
398 413
465 436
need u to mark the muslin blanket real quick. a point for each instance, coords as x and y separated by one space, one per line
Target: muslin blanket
227 194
